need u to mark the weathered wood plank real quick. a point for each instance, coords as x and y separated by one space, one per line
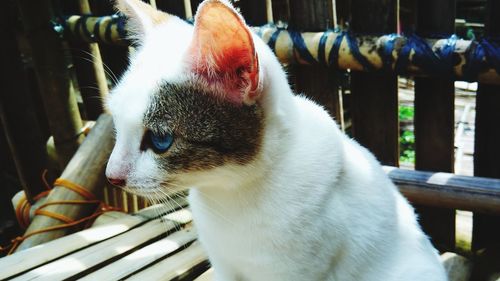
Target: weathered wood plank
374 102
86 260
318 82
254 11
434 122
41 254
30 258
486 229
448 190
175 268
206 276
143 257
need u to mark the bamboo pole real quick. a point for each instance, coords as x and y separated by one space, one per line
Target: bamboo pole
86 169
90 70
372 48
53 78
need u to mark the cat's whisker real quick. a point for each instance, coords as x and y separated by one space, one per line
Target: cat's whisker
107 69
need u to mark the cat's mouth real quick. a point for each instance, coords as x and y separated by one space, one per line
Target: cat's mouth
152 190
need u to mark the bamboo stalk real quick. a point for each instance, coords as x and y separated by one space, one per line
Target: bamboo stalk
53 78
90 71
86 169
370 47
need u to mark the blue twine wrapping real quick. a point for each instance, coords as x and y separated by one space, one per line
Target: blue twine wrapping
300 46
120 26
446 55
85 31
353 46
387 58
333 57
322 47
97 27
492 51
474 63
272 41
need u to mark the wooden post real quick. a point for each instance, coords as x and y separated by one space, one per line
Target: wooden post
173 7
17 111
254 12
89 69
86 169
53 77
375 95
318 82
486 229
434 122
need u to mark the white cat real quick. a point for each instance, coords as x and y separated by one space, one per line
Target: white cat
277 191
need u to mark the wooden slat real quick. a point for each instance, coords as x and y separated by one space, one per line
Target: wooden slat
143 257
434 122
95 256
175 268
486 229
30 258
41 254
448 190
316 81
206 276
374 102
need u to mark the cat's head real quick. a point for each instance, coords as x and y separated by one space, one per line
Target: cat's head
188 111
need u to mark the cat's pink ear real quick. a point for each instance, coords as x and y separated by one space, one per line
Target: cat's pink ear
141 17
223 52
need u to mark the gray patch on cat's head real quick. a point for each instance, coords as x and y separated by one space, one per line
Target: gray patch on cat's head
208 131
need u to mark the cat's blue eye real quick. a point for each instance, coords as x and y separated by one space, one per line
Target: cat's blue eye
160 143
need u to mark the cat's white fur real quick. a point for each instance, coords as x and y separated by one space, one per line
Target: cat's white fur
314 205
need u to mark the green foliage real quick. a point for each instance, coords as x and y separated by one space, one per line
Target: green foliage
406 112
407 138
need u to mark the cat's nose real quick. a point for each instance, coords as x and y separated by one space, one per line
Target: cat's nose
117 182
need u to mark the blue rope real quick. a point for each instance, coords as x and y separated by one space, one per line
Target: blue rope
474 63
387 58
492 51
97 27
322 47
120 27
272 41
353 46
300 46
446 56
333 57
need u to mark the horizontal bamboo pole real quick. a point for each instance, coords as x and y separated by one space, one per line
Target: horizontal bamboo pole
392 53
86 169
447 190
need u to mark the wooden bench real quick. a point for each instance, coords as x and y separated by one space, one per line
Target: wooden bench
156 243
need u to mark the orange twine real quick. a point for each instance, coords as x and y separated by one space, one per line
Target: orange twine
23 211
